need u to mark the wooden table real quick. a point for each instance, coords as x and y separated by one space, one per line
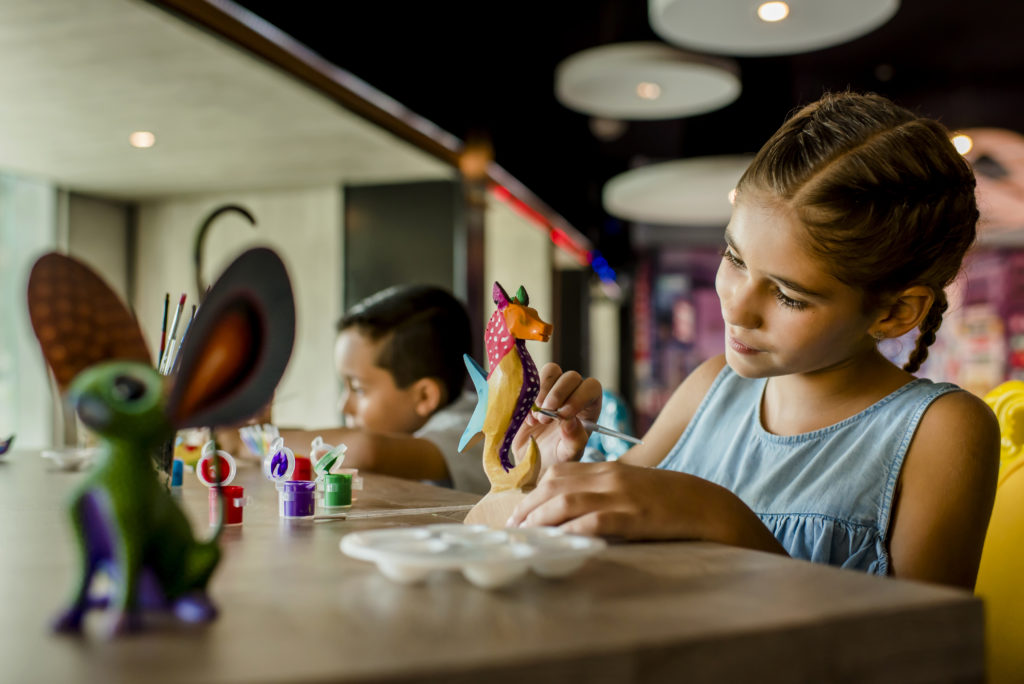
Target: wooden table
294 608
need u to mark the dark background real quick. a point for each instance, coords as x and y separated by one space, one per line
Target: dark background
487 69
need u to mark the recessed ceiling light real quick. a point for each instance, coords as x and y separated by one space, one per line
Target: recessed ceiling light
773 11
962 143
142 139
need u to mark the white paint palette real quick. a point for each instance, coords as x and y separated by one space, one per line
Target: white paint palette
487 557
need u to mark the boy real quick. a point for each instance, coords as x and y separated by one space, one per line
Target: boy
399 357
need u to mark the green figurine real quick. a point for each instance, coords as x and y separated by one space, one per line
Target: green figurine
126 522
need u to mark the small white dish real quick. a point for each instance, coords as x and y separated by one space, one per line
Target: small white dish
71 458
486 557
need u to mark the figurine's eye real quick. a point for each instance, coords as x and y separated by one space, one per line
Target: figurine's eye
127 388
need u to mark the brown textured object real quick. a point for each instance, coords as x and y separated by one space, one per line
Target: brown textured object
78 319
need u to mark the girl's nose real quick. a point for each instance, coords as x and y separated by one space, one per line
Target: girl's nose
741 305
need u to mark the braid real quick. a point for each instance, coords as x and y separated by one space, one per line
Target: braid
929 326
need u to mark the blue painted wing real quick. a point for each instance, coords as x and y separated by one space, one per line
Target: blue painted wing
476 421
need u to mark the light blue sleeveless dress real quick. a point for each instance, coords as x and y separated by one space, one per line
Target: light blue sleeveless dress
826 495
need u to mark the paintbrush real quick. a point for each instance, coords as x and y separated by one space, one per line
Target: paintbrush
166 366
163 331
592 426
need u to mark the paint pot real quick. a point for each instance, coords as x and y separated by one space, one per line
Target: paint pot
337 490
177 472
234 502
207 468
357 480
296 499
303 468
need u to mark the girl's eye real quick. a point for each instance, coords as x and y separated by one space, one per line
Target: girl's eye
731 257
789 302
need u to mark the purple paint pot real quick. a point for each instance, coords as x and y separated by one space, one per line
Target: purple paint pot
297 498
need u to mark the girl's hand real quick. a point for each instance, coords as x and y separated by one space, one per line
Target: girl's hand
612 499
572 397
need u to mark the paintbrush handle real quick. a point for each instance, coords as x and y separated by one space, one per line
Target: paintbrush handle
593 427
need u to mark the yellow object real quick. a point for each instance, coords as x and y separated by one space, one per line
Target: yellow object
1007 401
188 446
1001 573
1001 579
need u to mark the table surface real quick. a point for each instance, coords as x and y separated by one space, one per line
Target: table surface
294 608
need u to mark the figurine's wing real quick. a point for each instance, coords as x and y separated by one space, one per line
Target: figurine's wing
474 429
78 318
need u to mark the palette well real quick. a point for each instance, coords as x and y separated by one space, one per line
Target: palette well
486 557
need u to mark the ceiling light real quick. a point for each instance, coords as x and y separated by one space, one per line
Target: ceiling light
142 139
684 192
648 91
773 11
733 27
962 143
645 80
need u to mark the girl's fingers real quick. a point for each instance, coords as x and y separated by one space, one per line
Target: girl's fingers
560 480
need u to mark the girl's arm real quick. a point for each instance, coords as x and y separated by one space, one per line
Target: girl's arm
945 493
676 415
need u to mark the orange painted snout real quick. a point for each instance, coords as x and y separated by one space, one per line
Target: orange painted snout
524 323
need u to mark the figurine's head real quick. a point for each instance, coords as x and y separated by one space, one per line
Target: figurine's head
522 321
122 398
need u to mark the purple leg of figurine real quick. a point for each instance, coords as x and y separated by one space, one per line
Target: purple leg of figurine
95 546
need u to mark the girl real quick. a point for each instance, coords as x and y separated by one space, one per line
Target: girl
803 438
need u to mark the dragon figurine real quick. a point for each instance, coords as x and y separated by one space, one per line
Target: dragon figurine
127 524
505 396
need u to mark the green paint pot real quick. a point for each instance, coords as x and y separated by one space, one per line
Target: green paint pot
337 490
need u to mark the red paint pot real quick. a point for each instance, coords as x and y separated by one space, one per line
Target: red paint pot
234 501
303 468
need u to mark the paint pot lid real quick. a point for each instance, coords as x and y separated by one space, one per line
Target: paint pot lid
206 466
279 463
332 458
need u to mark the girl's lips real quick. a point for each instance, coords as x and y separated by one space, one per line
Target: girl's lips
741 348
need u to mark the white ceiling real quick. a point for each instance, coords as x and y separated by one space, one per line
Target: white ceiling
78 77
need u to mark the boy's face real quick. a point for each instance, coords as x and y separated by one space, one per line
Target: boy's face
370 400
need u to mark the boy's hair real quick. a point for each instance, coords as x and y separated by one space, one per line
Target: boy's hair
887 200
424 330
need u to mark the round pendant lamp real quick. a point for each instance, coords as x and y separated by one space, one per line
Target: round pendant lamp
643 81
735 27
682 192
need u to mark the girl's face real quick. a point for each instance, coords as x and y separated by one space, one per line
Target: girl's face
784 313
370 399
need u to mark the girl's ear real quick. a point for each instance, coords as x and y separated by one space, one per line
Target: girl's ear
238 345
905 312
428 394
